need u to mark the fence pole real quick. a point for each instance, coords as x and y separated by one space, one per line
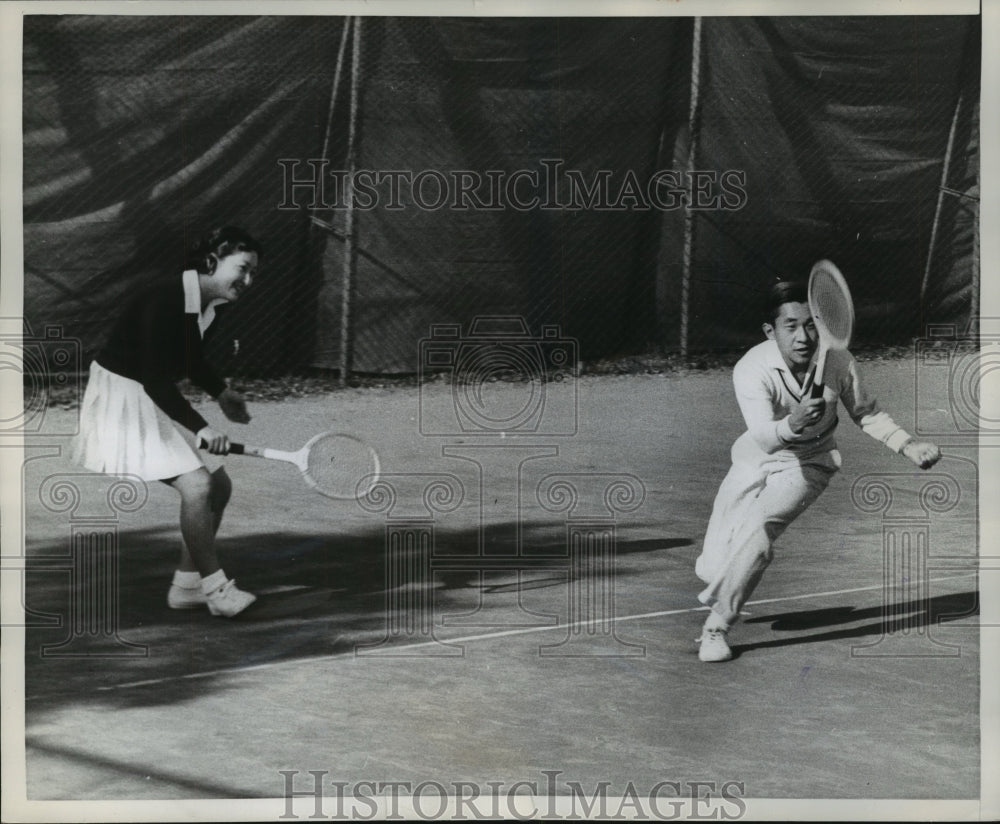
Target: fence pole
335 88
689 213
974 303
313 242
350 225
939 207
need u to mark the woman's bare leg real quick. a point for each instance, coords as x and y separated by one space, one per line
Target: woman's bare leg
204 496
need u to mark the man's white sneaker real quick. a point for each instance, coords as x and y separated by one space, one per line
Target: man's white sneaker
229 600
185 597
714 648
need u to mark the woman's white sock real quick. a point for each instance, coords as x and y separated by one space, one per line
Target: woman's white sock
213 582
186 580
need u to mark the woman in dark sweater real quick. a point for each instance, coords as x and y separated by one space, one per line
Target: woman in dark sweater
132 411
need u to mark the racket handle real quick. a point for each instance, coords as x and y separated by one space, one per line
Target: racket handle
816 374
234 448
807 384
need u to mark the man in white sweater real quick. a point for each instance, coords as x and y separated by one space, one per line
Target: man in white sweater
785 459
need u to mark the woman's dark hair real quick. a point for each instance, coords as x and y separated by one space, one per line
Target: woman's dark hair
226 240
785 291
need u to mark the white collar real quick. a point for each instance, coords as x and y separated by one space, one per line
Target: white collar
192 301
775 361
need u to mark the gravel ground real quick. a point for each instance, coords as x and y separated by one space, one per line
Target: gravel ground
316 382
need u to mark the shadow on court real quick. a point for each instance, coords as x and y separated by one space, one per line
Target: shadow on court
96 764
318 595
931 610
901 617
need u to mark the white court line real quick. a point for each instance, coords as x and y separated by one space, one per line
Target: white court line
485 636
639 617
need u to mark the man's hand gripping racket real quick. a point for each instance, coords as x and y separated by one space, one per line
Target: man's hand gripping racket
337 465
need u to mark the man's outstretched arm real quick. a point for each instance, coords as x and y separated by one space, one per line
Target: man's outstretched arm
865 412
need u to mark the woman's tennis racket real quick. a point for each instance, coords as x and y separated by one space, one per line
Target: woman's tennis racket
833 313
334 464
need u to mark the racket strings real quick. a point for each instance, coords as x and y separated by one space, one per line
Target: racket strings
831 310
340 466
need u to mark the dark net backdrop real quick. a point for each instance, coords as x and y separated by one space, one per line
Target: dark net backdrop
448 96
841 125
141 132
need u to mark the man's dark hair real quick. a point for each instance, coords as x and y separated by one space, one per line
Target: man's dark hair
785 291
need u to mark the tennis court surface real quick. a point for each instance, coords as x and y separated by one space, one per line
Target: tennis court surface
533 613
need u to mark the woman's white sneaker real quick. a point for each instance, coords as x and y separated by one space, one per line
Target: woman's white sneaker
185 597
229 600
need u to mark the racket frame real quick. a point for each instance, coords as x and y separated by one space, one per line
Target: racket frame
300 459
827 341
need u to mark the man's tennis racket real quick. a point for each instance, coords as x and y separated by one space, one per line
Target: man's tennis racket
334 464
833 313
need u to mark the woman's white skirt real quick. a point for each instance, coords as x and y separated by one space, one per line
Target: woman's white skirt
123 432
